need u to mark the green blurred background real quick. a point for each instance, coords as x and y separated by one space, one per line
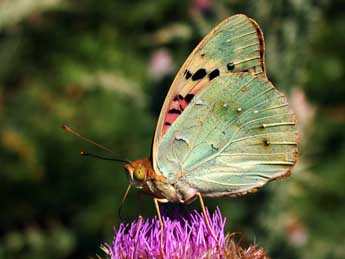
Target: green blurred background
104 67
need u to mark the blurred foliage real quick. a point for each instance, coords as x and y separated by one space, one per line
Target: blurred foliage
104 67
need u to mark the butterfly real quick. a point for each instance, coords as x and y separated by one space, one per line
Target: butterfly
223 130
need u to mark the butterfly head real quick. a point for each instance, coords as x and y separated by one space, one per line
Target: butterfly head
138 172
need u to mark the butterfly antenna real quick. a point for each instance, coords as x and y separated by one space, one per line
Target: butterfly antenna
70 130
85 153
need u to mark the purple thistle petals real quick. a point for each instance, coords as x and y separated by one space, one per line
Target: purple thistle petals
185 235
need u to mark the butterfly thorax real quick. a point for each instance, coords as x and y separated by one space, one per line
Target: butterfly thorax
143 176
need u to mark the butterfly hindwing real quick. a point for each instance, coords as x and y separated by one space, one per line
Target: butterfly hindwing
235 135
235 45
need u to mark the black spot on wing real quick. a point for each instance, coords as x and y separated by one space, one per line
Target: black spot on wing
187 74
213 74
230 66
199 74
214 147
167 123
175 111
188 97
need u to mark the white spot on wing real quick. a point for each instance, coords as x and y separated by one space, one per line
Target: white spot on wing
198 101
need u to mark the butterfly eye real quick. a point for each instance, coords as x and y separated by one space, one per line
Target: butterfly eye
140 174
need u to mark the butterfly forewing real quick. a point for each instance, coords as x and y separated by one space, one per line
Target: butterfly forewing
235 45
234 136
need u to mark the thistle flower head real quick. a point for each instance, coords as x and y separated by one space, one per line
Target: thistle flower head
185 235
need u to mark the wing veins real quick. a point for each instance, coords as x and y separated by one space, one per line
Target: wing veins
246 60
254 154
229 143
247 46
264 118
243 35
260 135
222 183
229 123
238 90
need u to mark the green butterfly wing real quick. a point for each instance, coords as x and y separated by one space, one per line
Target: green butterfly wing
235 45
235 135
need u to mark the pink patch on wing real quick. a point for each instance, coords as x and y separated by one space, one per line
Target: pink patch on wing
175 109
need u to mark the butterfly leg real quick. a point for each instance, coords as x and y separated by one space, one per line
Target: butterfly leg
123 202
156 201
206 217
140 217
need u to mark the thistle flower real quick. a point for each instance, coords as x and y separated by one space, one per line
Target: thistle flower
185 235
